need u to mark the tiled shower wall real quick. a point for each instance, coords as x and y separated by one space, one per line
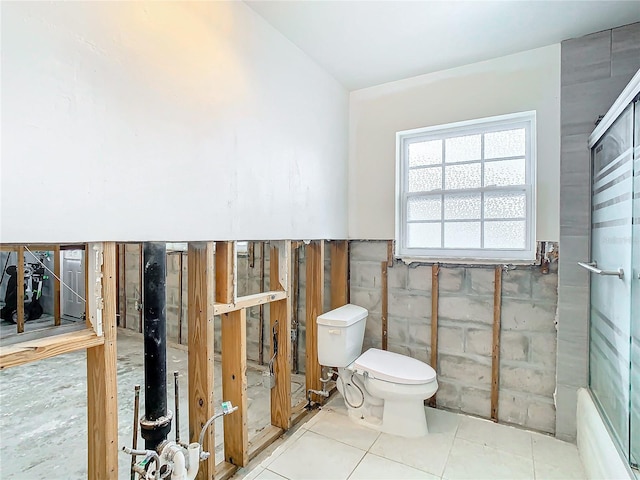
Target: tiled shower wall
594 71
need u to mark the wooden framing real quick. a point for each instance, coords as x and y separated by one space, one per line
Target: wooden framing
20 306
57 317
102 391
314 306
225 272
249 301
435 287
280 324
234 386
385 306
495 351
200 354
339 273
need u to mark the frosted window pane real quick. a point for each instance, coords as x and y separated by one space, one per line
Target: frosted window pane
423 235
504 234
462 176
505 205
462 149
425 153
421 208
506 172
463 206
507 143
425 179
462 235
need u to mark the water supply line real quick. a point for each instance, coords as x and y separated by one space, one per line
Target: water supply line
352 383
323 393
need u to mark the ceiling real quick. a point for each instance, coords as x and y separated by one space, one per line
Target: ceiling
366 43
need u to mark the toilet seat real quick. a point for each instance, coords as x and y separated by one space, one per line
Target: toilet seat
393 367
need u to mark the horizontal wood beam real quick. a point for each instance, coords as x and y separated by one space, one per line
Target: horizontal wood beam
249 301
265 438
33 350
225 470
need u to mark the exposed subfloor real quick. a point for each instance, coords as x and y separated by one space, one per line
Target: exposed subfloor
458 447
43 410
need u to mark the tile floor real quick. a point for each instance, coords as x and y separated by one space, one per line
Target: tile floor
331 446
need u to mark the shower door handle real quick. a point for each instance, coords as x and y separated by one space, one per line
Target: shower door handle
593 268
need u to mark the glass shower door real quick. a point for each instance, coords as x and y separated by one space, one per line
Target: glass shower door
634 437
610 319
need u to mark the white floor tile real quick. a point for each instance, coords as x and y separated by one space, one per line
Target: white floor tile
502 437
269 475
342 428
427 453
373 467
554 472
441 421
550 451
314 456
336 404
472 461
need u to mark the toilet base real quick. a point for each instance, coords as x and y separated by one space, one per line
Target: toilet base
405 418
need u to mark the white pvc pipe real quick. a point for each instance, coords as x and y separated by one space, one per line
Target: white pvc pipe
194 460
179 472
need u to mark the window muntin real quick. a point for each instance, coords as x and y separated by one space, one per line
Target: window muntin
466 190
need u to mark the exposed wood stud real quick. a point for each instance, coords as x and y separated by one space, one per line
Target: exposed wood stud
495 351
251 254
122 285
180 300
339 273
261 310
234 386
140 289
294 294
56 286
200 279
102 388
435 271
224 272
390 253
280 312
20 305
314 255
385 307
248 301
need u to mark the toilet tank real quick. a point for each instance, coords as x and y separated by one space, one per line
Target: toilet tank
340 335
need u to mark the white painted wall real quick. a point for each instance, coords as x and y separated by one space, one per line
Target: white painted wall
165 121
515 83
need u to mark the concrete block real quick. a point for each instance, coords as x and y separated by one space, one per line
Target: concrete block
514 346
419 278
625 50
399 348
366 274
467 308
545 287
520 379
419 334
397 330
586 58
542 350
366 298
512 408
479 341
527 316
475 401
450 340
448 394
373 330
451 279
397 276
409 306
516 284
541 415
465 370
482 280
368 250
420 353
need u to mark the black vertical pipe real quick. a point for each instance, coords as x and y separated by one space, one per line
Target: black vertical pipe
156 423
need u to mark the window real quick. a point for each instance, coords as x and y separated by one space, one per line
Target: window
467 190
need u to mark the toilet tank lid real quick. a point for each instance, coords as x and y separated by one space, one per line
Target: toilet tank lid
393 367
342 316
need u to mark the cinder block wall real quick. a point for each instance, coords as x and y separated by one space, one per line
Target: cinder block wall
528 337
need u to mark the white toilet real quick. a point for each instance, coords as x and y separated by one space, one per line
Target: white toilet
383 390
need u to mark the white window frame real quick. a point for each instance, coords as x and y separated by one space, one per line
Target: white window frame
484 125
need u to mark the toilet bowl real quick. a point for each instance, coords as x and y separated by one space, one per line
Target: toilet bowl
381 389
